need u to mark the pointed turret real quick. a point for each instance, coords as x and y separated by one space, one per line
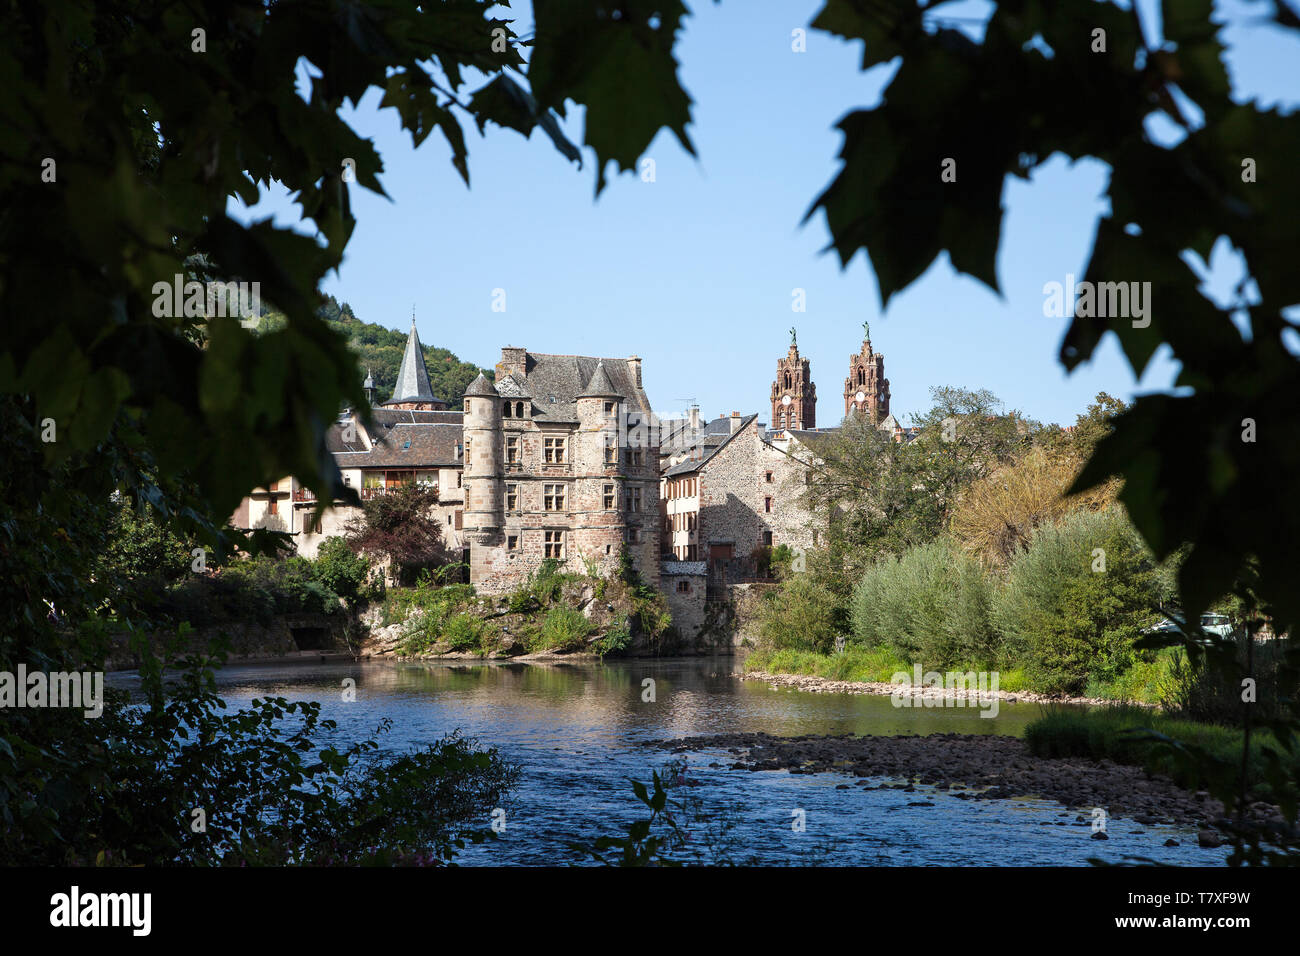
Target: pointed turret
600 386
412 376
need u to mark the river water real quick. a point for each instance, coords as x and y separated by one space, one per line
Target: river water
575 731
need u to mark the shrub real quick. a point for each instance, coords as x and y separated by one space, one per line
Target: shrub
1068 621
799 615
932 606
563 629
340 570
463 632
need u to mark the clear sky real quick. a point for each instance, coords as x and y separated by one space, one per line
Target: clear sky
695 271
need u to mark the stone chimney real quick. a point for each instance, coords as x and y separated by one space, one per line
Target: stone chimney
512 360
695 418
634 363
735 422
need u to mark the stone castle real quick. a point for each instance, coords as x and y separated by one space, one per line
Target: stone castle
561 457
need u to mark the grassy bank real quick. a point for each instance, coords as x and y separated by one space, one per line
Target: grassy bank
1114 733
864 664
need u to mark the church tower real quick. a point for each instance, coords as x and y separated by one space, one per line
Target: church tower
794 396
866 390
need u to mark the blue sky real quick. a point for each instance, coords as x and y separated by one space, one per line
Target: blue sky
695 271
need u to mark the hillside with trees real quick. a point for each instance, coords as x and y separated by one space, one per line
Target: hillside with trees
379 350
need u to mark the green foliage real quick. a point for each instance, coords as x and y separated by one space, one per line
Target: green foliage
271 794
342 571
931 606
563 629
256 588
140 546
379 350
616 639
801 614
876 497
542 587
1068 621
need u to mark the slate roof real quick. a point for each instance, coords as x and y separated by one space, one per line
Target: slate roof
556 381
512 386
599 386
412 377
481 386
401 445
710 449
684 568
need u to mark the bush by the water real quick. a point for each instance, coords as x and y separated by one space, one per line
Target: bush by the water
931 606
1075 602
802 615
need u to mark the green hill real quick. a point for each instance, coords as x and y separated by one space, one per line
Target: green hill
379 349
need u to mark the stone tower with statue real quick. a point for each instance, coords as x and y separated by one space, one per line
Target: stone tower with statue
866 390
794 396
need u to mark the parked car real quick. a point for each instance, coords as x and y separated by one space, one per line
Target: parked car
1219 624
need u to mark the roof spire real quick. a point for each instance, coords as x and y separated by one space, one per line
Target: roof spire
412 375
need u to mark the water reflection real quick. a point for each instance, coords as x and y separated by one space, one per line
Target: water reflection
575 729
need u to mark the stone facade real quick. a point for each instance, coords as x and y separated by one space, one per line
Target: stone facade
556 468
741 497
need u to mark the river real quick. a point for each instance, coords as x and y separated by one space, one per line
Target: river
575 730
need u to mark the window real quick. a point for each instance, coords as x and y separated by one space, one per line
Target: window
767 539
683 587
554 544
553 450
273 506
767 477
512 542
634 499
313 524
468 461
553 497
767 505
635 456
512 497
611 452
512 451
609 497
633 535
610 409
508 406
467 406
519 409
460 480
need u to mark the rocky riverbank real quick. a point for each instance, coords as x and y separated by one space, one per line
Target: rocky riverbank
979 767
824 685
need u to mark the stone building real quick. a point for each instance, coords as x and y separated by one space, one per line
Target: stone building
732 500
794 395
558 465
866 390
412 438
